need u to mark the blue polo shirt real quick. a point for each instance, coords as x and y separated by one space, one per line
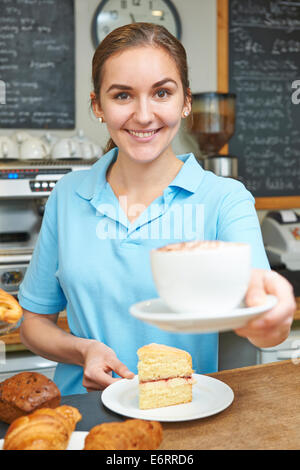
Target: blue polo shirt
92 261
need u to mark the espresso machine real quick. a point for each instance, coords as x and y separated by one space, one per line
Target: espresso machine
24 189
212 124
281 235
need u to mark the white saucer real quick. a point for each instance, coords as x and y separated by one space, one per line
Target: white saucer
156 313
76 441
210 396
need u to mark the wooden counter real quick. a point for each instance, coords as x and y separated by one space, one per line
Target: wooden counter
265 413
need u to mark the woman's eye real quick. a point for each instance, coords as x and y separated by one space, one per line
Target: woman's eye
162 93
122 96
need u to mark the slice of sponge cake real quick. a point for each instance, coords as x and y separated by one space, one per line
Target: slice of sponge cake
165 376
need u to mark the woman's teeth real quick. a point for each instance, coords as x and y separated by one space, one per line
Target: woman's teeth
142 134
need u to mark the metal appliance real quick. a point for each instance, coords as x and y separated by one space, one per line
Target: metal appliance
288 349
281 235
212 124
24 189
19 361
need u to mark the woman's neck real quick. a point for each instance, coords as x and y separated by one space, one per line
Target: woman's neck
139 179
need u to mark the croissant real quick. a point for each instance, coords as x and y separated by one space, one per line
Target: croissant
44 429
10 309
132 434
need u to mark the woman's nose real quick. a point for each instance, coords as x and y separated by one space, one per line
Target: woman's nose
144 112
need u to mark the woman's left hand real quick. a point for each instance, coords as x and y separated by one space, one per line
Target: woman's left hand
272 327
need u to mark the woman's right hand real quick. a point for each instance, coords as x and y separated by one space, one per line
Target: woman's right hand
99 363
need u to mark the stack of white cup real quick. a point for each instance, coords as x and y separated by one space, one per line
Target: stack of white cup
23 146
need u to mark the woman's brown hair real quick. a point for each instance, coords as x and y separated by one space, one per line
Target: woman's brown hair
133 35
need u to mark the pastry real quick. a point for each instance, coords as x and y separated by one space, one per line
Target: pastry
44 429
25 392
132 434
10 309
165 376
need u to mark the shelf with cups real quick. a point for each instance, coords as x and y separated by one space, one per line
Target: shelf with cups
22 146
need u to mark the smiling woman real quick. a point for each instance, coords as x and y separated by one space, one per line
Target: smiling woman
99 226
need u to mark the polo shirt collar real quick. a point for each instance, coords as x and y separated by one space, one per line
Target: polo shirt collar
188 178
190 175
95 180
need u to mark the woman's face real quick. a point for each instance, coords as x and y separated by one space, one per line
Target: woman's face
142 102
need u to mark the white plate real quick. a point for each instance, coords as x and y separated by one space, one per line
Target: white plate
156 313
210 396
76 441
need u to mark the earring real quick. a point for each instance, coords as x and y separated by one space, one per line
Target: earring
100 120
186 113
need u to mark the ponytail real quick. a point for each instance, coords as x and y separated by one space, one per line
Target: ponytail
109 146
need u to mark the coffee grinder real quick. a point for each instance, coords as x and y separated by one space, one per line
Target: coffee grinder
212 124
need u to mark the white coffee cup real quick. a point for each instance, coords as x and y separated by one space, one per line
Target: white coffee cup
8 148
33 149
90 150
202 277
49 139
66 148
21 136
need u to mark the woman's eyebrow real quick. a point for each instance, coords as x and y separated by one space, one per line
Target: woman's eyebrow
118 86
163 82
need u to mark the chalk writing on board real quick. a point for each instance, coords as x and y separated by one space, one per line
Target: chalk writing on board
37 63
264 64
296 94
2 92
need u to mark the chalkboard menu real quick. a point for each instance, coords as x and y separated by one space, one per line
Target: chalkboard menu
37 68
264 72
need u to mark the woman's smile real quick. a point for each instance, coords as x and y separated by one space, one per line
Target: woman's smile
143 136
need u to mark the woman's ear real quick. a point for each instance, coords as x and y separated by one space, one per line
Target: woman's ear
187 107
188 101
96 105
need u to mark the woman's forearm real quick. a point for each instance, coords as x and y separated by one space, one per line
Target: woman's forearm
43 337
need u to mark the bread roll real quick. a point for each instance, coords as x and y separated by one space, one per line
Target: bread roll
26 392
133 434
